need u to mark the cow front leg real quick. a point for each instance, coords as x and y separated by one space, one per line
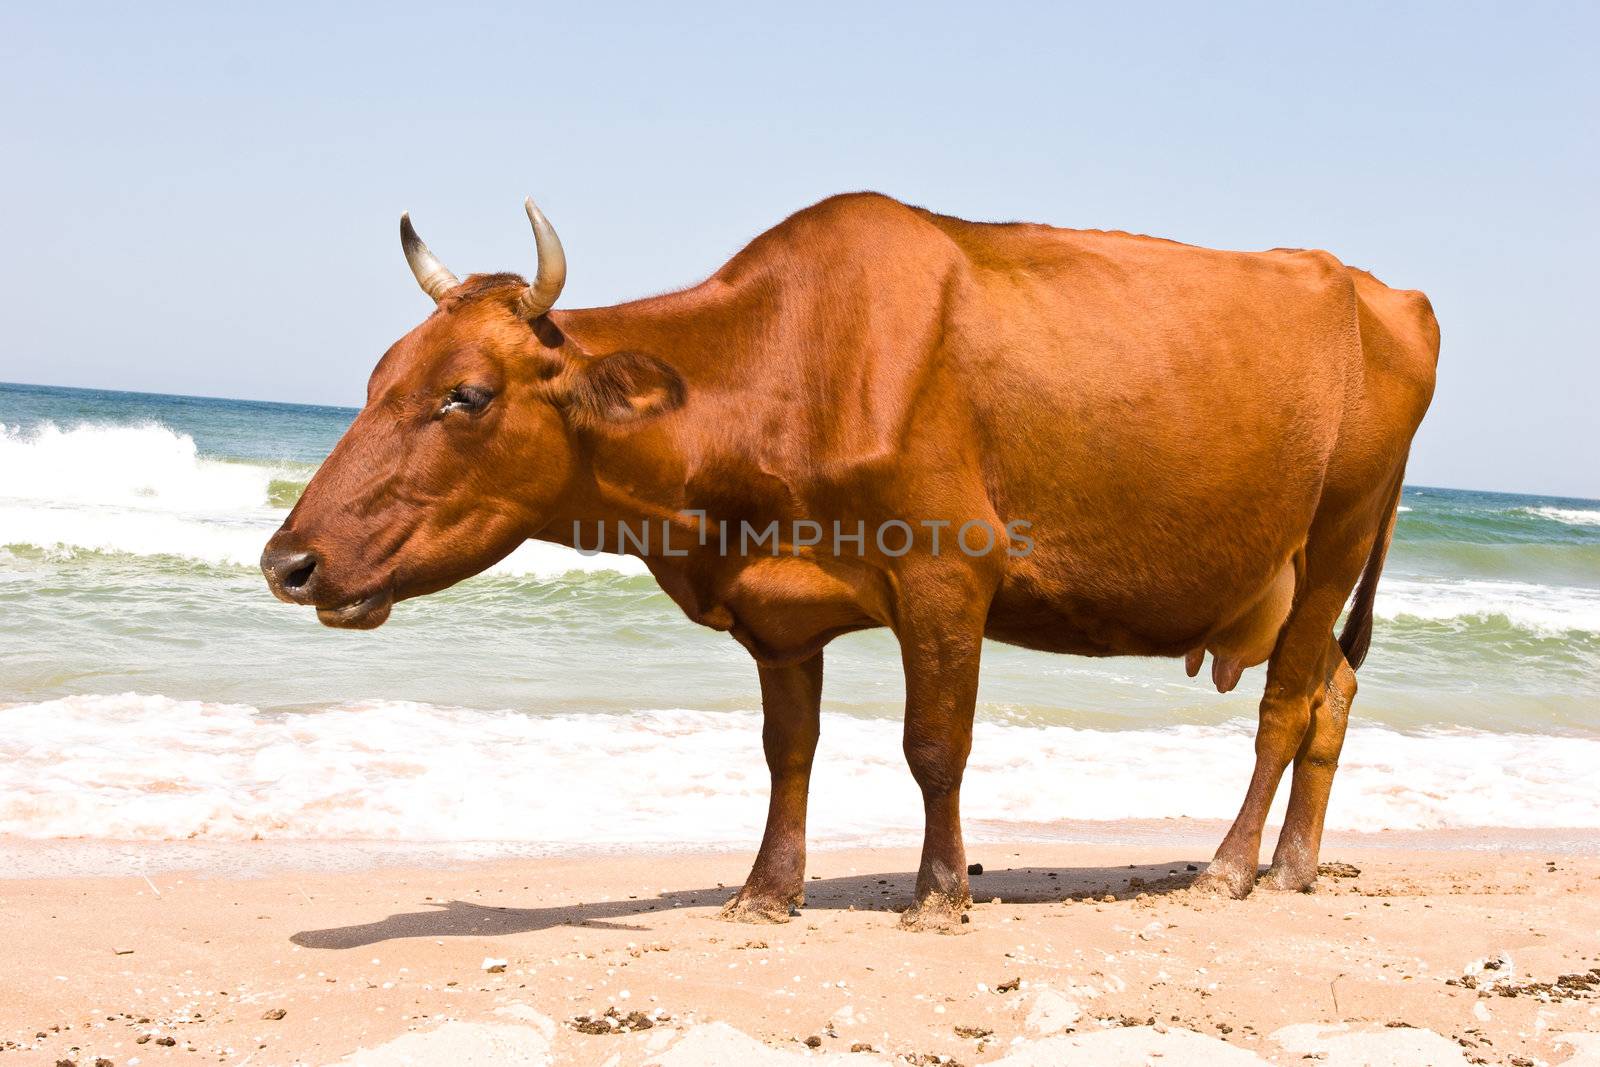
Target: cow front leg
941 668
791 704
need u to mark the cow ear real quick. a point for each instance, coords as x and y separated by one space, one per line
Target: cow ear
623 387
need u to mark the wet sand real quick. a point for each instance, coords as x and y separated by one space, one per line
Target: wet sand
1402 955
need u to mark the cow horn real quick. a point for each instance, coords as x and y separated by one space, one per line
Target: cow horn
541 296
434 277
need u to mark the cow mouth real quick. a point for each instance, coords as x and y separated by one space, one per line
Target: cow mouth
365 614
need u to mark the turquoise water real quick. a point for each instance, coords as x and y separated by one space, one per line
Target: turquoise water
130 525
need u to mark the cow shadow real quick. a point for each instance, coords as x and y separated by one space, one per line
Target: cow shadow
885 892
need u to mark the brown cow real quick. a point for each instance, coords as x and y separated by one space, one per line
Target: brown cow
1179 450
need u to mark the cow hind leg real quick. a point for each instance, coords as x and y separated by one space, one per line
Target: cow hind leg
1285 714
1295 699
940 656
1294 861
791 702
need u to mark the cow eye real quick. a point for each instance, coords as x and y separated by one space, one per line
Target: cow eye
469 398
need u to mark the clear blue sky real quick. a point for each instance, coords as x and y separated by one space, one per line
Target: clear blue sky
202 200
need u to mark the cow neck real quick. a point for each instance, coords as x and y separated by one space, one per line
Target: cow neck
634 479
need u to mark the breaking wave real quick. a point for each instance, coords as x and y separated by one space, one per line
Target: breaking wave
144 467
1540 609
1570 516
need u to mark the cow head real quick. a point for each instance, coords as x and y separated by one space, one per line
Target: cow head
470 440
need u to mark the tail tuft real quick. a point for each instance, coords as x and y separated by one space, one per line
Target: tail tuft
1356 637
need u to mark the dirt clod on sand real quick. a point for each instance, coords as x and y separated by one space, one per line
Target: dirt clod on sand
615 1022
1338 870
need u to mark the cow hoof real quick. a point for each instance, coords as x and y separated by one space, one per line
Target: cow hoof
937 913
1285 880
1223 882
768 911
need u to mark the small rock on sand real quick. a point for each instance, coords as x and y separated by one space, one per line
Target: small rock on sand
274 1014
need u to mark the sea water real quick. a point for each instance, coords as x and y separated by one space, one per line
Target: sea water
151 687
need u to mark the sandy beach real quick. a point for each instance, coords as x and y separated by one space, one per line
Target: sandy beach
1075 954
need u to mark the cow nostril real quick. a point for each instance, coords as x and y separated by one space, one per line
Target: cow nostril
290 573
301 575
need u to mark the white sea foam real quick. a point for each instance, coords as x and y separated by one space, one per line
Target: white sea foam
537 559
1570 516
67 531
150 767
1554 610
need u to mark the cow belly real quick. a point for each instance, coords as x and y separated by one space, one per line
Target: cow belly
1048 617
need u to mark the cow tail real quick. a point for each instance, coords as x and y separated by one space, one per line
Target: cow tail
1356 636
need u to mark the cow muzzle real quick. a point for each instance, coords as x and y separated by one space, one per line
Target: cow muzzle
299 576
